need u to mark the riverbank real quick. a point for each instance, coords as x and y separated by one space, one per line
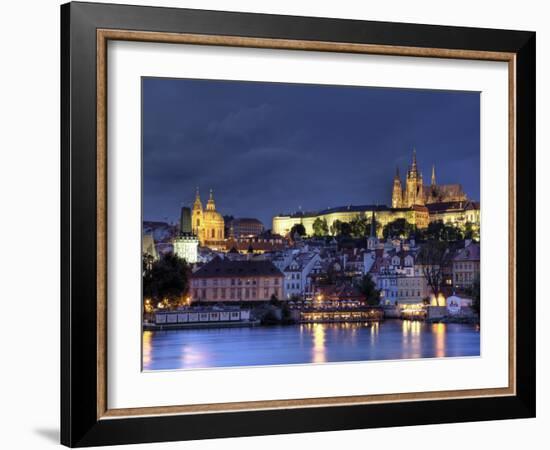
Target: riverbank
198 325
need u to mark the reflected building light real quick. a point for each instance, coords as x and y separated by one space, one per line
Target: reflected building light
439 331
319 349
192 357
147 349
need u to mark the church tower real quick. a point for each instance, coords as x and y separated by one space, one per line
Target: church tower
433 175
414 187
196 215
372 240
397 192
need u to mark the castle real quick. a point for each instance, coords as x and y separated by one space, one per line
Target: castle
418 204
417 193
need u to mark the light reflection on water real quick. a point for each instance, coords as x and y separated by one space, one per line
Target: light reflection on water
319 348
306 343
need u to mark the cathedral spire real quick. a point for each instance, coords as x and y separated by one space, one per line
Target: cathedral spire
397 192
373 225
433 175
413 168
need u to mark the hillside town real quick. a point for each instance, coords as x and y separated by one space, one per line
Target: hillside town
419 259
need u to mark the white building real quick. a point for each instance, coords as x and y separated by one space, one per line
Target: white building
401 281
296 281
186 247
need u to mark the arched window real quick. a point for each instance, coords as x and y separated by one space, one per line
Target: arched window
213 233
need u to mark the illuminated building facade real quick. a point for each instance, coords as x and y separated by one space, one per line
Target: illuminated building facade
207 223
225 280
457 213
186 243
416 215
417 193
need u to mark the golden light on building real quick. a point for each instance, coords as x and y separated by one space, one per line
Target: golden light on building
207 223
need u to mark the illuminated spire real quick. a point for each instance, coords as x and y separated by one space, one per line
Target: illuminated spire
413 168
373 225
211 206
433 175
198 203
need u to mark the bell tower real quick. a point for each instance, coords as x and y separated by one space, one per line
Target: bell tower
196 215
397 192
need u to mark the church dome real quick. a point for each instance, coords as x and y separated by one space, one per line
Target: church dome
212 217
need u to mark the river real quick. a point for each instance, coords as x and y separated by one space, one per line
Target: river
306 343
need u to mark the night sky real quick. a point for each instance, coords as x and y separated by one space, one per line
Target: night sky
267 148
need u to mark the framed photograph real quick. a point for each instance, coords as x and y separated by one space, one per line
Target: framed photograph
276 224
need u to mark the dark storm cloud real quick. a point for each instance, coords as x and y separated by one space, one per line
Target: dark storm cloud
266 148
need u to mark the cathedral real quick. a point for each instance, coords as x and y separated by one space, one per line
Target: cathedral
417 193
207 224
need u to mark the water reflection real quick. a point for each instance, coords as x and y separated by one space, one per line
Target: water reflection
439 331
308 343
374 329
319 350
412 342
147 347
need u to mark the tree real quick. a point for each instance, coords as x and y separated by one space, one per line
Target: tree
438 231
298 228
470 231
398 228
452 233
147 266
274 300
433 257
167 279
434 231
359 226
320 227
336 228
345 229
367 287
